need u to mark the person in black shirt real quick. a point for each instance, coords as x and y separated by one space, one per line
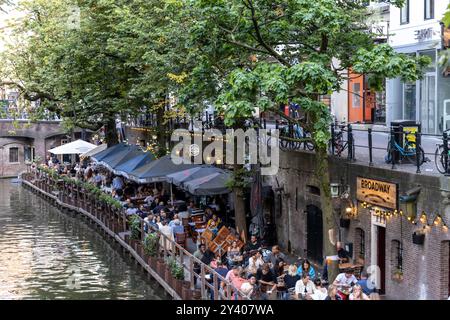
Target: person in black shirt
266 279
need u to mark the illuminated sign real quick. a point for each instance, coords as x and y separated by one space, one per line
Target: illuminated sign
378 193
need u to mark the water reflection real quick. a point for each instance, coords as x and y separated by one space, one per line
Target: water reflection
46 254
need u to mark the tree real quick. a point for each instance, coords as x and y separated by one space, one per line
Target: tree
265 53
64 61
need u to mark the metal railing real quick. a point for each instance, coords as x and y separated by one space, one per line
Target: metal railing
117 221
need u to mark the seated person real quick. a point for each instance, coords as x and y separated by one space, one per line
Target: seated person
234 256
304 288
289 280
131 209
321 292
266 279
358 294
183 213
253 244
208 213
344 255
275 256
306 268
255 262
213 224
345 279
177 227
367 287
141 212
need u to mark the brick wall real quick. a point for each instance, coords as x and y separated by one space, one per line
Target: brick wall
425 267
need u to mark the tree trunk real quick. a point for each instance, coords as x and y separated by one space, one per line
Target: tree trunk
323 175
111 132
239 212
161 129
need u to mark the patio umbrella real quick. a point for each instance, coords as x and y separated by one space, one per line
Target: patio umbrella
94 151
109 151
209 185
180 177
130 165
121 156
157 171
75 147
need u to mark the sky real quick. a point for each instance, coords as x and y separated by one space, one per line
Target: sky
6 16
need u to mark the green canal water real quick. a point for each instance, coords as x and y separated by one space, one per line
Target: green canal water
47 254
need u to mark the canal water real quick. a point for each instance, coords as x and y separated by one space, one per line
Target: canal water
47 254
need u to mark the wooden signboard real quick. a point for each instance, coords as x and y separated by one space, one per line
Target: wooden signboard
378 193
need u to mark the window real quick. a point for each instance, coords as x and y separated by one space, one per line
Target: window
397 255
13 155
404 13
429 9
356 95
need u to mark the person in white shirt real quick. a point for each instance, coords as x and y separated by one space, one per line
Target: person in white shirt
131 209
320 293
304 288
255 262
345 279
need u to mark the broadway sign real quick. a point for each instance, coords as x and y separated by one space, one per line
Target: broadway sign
378 193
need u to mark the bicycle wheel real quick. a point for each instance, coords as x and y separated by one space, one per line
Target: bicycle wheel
412 158
439 159
388 157
308 144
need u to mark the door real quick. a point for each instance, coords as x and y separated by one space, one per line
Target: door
355 100
427 103
409 101
315 233
381 256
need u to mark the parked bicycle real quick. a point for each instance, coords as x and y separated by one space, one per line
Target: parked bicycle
408 151
439 157
295 132
337 143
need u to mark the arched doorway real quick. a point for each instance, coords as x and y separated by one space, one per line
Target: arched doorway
314 241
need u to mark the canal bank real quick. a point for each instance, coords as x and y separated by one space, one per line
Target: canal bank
46 254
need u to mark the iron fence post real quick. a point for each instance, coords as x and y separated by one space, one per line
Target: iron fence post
418 142
445 141
369 131
351 156
391 148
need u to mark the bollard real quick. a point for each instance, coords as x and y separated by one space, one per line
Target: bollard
418 157
332 138
265 125
445 141
351 156
369 131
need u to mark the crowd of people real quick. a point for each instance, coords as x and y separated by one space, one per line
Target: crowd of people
259 272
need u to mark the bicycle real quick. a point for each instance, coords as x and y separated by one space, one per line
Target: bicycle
297 132
439 158
337 141
408 151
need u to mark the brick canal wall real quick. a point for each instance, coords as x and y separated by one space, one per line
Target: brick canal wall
425 267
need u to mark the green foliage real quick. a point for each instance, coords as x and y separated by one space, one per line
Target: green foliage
135 226
151 243
176 269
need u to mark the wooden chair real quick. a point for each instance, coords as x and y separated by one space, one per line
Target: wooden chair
208 235
181 239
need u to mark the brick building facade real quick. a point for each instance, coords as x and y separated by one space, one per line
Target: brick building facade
425 267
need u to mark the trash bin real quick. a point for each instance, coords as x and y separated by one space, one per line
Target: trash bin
400 126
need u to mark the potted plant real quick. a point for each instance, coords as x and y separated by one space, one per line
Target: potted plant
397 275
150 244
178 277
135 228
168 272
418 237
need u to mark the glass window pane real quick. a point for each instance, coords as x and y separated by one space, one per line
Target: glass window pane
356 95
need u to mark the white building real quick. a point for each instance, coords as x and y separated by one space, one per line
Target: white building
415 29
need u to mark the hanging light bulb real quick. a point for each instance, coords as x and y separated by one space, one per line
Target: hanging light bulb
437 220
444 228
423 218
